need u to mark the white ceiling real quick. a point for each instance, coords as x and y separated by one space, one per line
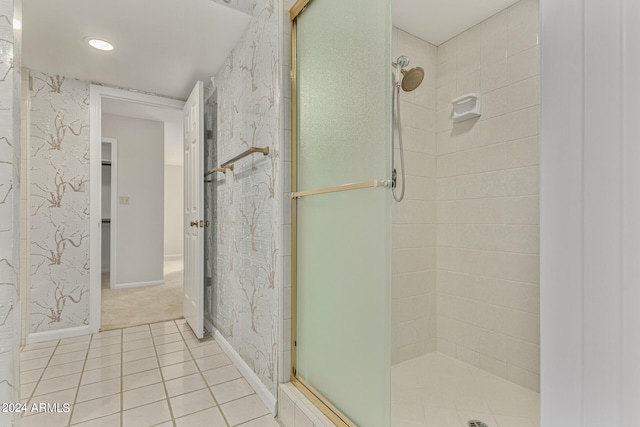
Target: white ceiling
436 21
164 46
161 46
171 117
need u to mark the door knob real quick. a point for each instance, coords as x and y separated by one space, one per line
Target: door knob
194 223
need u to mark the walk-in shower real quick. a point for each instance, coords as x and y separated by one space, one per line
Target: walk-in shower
425 312
408 81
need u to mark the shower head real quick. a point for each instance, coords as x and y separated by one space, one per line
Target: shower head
411 79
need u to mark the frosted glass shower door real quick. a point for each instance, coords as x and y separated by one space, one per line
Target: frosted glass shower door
341 207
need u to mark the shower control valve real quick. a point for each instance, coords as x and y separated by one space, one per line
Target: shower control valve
394 177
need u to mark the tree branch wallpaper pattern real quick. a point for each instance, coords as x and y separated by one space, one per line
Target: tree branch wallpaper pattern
246 6
242 299
59 203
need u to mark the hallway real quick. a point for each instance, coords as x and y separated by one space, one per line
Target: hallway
153 374
123 308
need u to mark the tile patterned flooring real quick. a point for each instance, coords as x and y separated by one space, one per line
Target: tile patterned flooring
149 375
437 391
161 375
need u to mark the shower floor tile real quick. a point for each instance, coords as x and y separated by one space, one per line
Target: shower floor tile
437 391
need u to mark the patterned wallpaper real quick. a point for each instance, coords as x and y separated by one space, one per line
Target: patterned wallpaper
246 6
59 203
9 209
242 298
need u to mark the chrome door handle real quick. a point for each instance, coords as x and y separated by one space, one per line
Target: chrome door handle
194 223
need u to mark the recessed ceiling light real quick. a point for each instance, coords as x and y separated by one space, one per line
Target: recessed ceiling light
100 44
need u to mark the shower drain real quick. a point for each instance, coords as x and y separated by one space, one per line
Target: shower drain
476 423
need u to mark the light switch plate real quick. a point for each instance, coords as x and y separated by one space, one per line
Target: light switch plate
124 200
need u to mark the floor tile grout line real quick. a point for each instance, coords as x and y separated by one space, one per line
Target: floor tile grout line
204 379
252 419
164 385
122 376
121 414
31 395
147 385
185 338
75 397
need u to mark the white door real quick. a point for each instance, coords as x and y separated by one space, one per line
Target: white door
193 302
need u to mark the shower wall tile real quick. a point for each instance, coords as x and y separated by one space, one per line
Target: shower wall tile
523 94
493 36
414 231
522 65
523 123
412 235
284 341
419 141
447 51
468 60
446 73
468 42
487 278
466 83
522 26
493 75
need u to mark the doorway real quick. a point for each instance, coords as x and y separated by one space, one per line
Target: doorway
64 292
145 282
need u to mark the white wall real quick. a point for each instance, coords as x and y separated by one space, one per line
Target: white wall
590 202
173 209
140 224
10 213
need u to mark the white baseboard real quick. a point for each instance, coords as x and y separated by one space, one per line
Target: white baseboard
257 385
138 284
209 326
58 334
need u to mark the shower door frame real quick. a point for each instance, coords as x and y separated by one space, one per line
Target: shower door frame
327 408
337 417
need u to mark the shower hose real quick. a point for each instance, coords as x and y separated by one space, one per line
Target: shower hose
396 113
